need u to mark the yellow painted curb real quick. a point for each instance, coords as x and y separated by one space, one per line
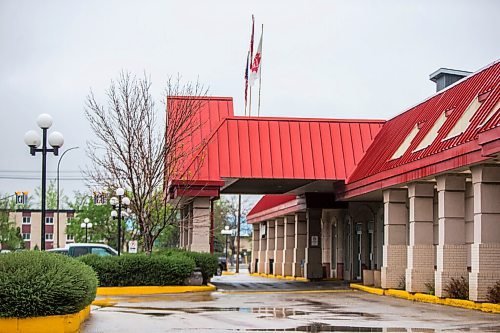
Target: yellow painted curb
228 273
398 293
289 277
301 279
426 298
151 290
490 307
376 291
460 303
51 324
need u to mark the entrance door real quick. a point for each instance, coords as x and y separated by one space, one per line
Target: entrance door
358 258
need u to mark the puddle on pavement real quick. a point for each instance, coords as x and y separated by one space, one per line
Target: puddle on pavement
268 312
320 327
199 297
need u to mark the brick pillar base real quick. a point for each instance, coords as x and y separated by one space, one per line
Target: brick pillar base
451 263
393 271
421 259
487 259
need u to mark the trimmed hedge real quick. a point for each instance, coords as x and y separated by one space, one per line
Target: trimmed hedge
206 262
34 283
140 269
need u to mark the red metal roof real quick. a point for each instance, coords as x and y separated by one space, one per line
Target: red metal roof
285 148
207 118
377 169
269 201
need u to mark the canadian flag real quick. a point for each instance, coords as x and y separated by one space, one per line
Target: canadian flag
256 64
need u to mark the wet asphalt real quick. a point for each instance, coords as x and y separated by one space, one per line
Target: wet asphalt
244 303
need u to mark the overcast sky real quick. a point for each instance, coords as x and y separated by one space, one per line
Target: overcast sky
342 59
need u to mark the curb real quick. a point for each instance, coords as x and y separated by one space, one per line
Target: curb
151 290
280 277
69 323
418 297
228 273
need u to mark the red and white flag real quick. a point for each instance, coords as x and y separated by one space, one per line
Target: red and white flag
256 64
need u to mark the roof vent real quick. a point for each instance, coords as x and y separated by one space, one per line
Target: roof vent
445 77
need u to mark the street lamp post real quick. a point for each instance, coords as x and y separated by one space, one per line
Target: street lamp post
87 225
56 140
58 193
226 232
120 202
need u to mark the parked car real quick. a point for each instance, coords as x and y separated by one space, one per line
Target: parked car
60 250
81 249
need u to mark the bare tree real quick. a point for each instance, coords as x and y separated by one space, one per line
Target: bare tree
134 150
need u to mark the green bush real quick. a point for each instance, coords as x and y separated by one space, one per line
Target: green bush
494 293
457 288
140 269
34 283
206 262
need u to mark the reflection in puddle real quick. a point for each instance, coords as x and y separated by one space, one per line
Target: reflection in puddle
320 327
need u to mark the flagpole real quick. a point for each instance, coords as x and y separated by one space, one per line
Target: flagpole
249 100
260 73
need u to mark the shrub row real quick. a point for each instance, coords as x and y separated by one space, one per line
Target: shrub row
207 263
140 269
34 283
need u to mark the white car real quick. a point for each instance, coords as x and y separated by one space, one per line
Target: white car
81 249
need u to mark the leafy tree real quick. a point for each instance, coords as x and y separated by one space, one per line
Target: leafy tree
226 214
10 236
50 196
103 228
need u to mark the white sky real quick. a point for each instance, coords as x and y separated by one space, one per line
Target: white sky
343 59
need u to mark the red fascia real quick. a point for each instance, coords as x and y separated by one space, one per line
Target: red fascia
490 142
450 159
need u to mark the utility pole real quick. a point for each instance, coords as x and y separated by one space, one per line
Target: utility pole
238 236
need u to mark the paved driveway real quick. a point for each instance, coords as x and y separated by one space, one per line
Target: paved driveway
253 304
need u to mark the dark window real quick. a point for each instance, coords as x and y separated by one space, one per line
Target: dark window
80 251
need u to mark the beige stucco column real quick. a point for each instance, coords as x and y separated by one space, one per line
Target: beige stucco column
485 254
326 241
395 235
181 230
288 244
313 268
300 244
420 269
451 251
271 235
263 247
279 242
200 241
255 248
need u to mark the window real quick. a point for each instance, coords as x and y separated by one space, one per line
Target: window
26 219
70 237
49 237
70 219
80 251
26 236
49 220
100 251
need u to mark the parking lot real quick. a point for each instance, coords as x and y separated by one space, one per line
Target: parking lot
253 304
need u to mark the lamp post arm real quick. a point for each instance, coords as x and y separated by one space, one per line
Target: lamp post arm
57 208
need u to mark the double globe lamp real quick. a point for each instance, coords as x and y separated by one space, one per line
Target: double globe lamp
33 140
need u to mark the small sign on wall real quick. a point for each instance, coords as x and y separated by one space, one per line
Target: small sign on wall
314 240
